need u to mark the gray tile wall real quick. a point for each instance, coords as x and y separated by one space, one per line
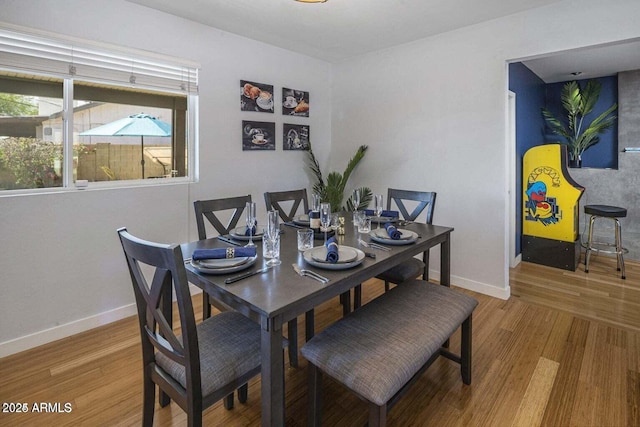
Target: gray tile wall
619 187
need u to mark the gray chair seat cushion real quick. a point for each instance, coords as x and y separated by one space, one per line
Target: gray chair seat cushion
404 271
376 349
229 346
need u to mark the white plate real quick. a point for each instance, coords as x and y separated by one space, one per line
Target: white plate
337 266
224 270
221 262
381 236
302 219
345 254
238 234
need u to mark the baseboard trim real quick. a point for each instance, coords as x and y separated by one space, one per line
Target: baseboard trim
472 285
39 338
36 339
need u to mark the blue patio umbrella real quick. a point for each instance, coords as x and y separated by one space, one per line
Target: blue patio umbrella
135 125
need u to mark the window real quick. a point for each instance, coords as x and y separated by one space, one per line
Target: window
130 117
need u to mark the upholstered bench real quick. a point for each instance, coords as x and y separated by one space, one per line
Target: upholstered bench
381 349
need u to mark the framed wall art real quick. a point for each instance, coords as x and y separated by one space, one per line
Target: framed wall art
295 102
295 137
258 135
256 97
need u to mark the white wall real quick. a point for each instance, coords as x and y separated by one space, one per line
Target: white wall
433 113
61 268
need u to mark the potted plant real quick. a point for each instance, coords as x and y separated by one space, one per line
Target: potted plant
332 190
577 133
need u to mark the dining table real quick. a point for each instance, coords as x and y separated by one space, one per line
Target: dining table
280 294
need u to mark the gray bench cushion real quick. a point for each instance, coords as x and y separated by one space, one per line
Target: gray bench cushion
378 348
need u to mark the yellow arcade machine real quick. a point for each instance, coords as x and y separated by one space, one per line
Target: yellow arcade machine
550 208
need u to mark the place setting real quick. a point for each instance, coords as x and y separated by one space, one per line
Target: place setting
332 256
390 235
223 260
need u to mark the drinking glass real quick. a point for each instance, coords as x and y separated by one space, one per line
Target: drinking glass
335 221
364 223
305 239
356 199
356 204
250 218
271 239
325 218
271 248
378 206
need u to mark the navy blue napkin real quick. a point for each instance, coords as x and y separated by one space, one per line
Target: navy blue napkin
392 231
332 250
253 229
388 214
219 253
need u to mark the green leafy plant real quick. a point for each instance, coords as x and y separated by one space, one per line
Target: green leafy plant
17 105
332 190
31 161
577 134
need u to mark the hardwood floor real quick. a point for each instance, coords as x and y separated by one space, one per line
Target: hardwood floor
563 351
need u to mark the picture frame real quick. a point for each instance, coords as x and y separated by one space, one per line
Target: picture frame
257 97
296 137
295 102
258 135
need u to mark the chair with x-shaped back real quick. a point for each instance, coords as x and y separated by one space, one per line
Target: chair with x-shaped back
424 201
210 209
277 200
206 362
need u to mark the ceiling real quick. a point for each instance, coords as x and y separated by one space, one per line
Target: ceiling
591 62
341 29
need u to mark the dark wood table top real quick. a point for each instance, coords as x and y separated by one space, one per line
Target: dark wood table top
281 292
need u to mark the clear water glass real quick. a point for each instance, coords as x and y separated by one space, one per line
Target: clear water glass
356 199
325 218
250 218
378 199
271 248
271 239
364 223
305 239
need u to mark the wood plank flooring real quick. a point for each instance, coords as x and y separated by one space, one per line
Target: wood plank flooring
563 351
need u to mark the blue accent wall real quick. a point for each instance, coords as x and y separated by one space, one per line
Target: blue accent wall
530 98
605 153
531 95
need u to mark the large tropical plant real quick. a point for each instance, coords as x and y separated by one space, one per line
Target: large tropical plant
332 189
576 132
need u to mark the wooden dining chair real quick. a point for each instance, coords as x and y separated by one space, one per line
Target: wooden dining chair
206 362
278 200
410 205
210 210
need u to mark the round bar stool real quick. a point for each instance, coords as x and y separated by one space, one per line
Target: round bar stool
612 213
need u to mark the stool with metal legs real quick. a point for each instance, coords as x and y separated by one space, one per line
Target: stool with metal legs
612 213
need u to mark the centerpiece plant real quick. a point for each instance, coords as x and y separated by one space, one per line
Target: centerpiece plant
576 132
332 189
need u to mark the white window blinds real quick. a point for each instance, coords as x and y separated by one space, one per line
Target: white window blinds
71 58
